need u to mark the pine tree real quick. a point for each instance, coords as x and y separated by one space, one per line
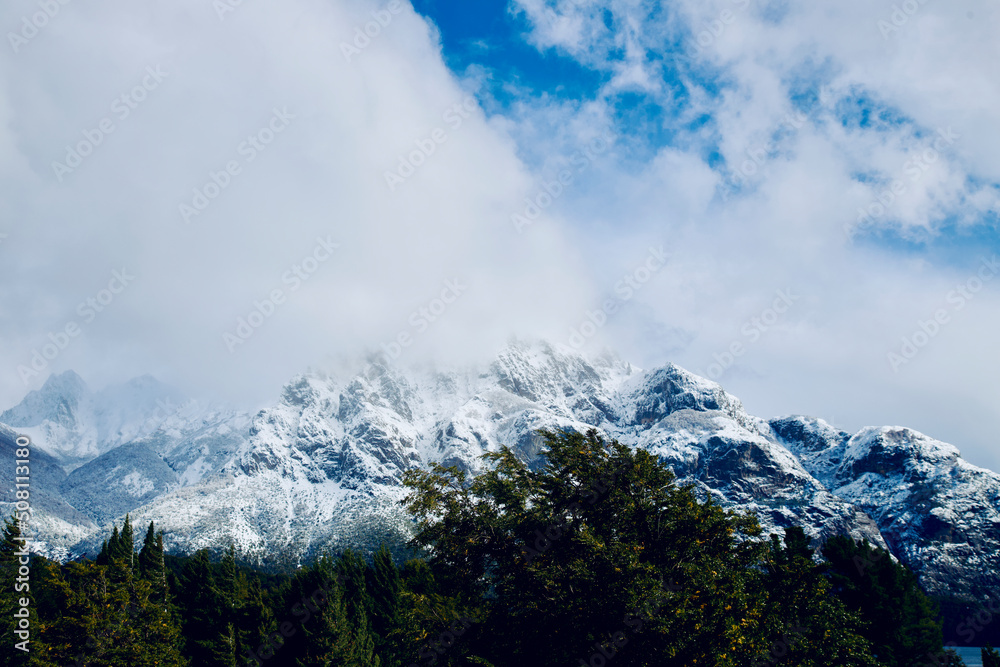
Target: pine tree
127 543
151 566
334 639
900 619
803 624
230 599
104 556
106 618
353 572
384 585
991 658
208 642
119 546
114 543
146 564
227 581
256 619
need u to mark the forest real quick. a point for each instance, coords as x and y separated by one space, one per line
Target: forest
594 557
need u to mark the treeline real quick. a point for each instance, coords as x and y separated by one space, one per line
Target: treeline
598 559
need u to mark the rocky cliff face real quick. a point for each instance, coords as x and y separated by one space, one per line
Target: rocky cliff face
938 513
322 468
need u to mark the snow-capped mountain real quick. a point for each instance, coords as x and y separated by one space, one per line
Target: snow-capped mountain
321 469
938 513
75 424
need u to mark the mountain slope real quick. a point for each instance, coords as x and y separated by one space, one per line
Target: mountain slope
321 469
939 513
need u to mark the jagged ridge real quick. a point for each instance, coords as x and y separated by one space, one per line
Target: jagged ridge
321 469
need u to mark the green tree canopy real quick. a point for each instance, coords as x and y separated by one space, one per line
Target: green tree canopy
900 620
599 553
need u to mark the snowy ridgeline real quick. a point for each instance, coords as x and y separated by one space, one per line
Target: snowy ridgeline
322 468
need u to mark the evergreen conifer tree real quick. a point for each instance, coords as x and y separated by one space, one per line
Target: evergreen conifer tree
207 640
384 586
803 624
127 542
103 556
255 620
114 544
990 656
107 618
335 639
151 566
899 618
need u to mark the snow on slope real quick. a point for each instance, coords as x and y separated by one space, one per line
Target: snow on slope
321 469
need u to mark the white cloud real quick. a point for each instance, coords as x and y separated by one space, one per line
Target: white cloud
799 189
322 175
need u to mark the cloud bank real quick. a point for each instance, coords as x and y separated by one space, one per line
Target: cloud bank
797 201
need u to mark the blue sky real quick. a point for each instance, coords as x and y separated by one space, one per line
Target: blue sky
815 149
942 221
488 34
494 36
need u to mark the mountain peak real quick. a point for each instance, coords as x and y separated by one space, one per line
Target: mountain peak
58 401
67 381
321 468
882 448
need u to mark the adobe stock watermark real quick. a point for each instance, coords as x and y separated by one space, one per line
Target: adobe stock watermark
22 583
972 625
218 181
927 330
431 650
88 311
550 191
294 278
789 641
165 409
900 16
714 30
32 24
454 116
914 168
758 157
625 291
363 35
752 330
595 491
223 7
421 319
122 107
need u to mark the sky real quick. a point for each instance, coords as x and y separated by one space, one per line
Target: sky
797 200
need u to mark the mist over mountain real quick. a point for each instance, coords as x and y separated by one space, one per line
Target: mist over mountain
321 469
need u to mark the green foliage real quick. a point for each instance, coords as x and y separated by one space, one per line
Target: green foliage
991 658
598 552
809 626
151 565
384 585
336 638
899 619
209 640
15 589
105 612
595 557
107 618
